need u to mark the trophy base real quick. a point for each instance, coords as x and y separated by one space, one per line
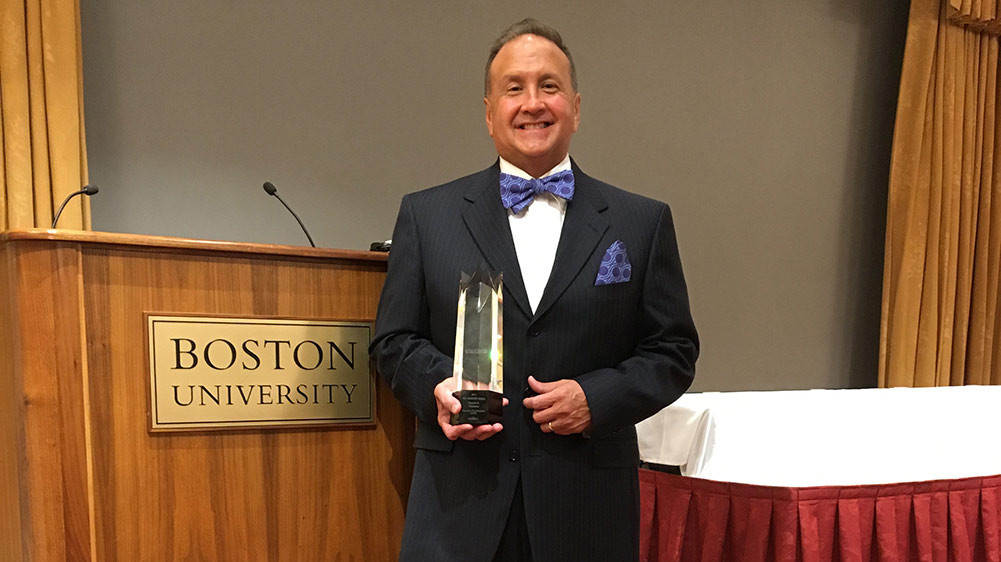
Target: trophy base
479 407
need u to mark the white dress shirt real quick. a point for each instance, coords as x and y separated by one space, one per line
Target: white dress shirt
536 232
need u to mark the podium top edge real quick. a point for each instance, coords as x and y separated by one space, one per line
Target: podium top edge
190 244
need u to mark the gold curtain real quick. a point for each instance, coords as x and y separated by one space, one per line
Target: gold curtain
41 114
943 239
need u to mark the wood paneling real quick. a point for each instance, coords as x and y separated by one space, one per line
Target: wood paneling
48 367
276 494
187 245
11 428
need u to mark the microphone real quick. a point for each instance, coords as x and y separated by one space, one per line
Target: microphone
88 190
271 190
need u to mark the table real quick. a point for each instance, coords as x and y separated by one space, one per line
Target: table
829 437
869 474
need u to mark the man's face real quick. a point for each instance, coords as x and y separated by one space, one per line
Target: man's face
532 108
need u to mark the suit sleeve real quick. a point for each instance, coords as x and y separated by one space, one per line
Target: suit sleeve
403 353
662 365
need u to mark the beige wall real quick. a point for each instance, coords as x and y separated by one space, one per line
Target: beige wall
766 125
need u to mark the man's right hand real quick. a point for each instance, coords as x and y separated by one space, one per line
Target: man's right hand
448 405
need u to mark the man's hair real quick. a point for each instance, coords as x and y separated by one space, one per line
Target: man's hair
529 26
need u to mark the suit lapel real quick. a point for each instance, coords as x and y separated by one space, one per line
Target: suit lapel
486 219
583 228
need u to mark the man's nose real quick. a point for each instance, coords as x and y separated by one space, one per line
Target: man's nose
533 101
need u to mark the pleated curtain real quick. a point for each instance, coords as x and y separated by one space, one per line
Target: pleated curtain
943 239
43 155
689 519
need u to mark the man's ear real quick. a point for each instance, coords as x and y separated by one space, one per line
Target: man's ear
576 111
490 120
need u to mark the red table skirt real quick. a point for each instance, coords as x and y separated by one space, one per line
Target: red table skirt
683 518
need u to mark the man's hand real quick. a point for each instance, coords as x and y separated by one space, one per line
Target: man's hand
448 405
560 406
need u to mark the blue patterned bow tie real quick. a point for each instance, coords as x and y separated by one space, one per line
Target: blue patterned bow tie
517 193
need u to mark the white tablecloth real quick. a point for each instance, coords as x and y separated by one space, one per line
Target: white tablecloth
829 437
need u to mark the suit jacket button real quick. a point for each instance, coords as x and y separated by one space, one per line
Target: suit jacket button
514 456
534 333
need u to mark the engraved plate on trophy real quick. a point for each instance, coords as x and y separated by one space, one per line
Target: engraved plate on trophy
478 369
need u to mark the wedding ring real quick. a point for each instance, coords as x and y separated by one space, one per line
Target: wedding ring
551 426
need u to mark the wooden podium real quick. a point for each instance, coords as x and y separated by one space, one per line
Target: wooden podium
81 476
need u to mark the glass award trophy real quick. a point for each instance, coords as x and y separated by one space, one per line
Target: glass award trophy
478 368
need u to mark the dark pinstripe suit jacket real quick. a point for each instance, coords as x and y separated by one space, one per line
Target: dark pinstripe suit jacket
632 347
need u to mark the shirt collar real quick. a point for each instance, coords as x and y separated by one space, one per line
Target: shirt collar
509 168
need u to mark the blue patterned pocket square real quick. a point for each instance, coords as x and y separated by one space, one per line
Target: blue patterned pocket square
615 267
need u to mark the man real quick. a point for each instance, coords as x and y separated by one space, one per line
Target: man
597 332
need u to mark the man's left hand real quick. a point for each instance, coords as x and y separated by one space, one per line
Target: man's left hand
559 406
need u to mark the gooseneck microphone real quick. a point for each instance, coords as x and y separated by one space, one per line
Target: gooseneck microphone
270 189
88 190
